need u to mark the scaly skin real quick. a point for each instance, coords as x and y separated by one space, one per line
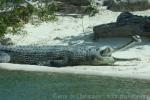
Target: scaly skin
61 55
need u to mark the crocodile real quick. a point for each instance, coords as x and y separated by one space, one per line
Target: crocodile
58 56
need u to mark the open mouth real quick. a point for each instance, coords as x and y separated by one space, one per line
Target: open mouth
103 53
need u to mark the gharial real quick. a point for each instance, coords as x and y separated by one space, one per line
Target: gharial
63 55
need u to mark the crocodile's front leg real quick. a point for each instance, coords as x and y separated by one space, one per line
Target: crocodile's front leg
4 57
55 63
58 63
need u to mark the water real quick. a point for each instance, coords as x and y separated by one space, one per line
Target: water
19 85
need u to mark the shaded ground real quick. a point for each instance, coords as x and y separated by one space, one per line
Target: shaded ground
18 85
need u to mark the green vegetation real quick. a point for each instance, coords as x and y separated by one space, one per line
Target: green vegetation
22 12
90 10
3 27
14 18
20 15
47 13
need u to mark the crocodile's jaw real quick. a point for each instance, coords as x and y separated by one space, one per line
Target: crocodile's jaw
103 61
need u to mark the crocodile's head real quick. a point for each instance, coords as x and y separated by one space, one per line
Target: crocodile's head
103 57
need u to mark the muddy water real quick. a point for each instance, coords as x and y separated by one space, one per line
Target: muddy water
19 85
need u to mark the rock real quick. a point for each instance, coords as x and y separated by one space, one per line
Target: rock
127 5
124 17
126 25
72 6
76 2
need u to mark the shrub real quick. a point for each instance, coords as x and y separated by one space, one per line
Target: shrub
90 10
47 12
3 27
15 18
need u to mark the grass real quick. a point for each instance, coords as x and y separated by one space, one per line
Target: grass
16 85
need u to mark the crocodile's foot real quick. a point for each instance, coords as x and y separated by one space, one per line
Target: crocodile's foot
57 63
4 57
52 63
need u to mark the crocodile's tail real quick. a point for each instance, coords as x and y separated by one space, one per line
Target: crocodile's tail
2 47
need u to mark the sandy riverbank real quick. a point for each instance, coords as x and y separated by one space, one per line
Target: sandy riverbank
69 31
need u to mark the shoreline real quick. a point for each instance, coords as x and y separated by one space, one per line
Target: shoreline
111 71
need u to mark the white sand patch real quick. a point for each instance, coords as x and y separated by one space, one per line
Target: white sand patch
69 31
138 72
46 33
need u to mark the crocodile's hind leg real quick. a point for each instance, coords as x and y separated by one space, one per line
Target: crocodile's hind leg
52 63
55 63
4 57
58 63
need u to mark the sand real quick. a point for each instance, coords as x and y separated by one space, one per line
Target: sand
74 31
